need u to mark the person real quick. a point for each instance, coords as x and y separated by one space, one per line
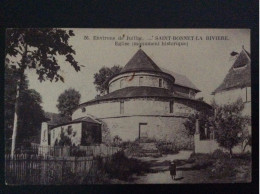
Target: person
173 170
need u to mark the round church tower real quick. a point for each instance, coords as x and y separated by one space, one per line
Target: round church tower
145 101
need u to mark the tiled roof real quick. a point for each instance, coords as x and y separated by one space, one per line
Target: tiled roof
87 119
181 80
140 62
239 74
82 119
138 91
55 119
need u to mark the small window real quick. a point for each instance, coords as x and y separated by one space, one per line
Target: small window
83 109
160 83
121 107
69 130
121 83
141 80
171 106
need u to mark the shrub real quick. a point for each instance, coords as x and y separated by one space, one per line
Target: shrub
122 168
219 154
167 147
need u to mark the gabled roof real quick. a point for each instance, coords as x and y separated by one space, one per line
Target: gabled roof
86 119
181 80
55 119
140 62
239 74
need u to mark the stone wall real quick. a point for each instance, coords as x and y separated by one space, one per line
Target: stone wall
161 124
159 127
133 79
139 106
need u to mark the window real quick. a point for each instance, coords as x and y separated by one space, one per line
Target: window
141 80
191 94
121 83
44 134
69 130
171 106
160 83
83 109
248 94
121 107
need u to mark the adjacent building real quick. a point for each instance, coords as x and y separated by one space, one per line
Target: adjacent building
236 84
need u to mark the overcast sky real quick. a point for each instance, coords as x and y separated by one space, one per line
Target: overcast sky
204 62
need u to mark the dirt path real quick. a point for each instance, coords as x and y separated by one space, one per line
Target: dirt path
162 176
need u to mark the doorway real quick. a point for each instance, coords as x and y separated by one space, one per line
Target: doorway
143 131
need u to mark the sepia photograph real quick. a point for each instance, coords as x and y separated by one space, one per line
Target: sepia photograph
127 106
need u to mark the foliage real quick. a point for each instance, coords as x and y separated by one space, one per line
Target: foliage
29 108
64 140
67 101
219 154
122 168
230 124
101 78
38 48
167 147
190 124
117 140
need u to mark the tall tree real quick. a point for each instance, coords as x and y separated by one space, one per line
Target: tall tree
37 49
29 107
67 101
101 78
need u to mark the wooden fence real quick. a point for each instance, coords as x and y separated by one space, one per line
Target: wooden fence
68 151
38 170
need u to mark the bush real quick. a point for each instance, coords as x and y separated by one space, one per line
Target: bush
219 154
167 147
222 168
122 168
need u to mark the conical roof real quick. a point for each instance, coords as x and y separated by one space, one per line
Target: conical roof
140 62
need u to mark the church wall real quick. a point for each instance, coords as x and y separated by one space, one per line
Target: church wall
159 128
140 106
133 79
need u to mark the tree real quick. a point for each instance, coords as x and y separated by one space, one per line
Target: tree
101 78
190 123
29 107
229 125
37 48
67 101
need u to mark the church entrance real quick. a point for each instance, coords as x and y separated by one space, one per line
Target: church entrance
143 131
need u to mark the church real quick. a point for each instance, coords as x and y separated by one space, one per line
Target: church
143 101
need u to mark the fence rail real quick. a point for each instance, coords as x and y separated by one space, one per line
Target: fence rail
35 170
55 165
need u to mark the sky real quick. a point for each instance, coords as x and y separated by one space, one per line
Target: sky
204 62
